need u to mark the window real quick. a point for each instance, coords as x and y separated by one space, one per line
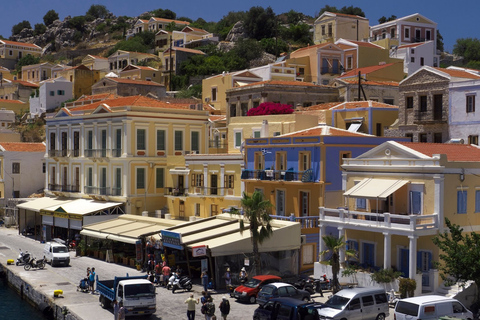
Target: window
423 103
140 178
243 109
141 136
197 180
214 94
361 203
304 203
422 61
473 140
349 62
388 101
330 28
409 102
214 209
412 51
428 35
470 103
16 167
161 140
52 93
178 140
61 92
259 160
323 30
280 203
238 139
44 168
461 201
159 177
437 137
308 253
412 59
344 155
90 177
256 133
195 143
407 33
422 137
233 110
392 33
367 301
281 160
303 161
354 304
229 181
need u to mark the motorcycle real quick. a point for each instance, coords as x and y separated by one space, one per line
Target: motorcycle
184 283
320 284
23 258
34 263
171 280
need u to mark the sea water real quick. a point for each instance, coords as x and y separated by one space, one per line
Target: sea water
13 307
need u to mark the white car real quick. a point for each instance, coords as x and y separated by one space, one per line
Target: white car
56 254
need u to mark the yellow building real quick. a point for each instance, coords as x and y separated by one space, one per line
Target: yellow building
12 51
82 79
397 197
40 72
96 63
141 73
330 27
125 150
17 106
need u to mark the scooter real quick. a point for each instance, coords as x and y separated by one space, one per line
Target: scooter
171 280
23 258
34 263
184 283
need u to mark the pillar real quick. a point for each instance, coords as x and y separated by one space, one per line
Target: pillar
341 234
412 252
387 253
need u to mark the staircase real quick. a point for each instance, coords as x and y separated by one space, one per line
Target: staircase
453 290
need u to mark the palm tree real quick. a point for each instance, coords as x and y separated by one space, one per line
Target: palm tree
256 213
334 245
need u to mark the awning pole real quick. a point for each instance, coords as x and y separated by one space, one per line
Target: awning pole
188 262
211 266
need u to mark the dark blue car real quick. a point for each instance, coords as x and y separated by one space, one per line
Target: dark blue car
287 309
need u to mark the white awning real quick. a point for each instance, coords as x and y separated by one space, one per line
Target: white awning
42 203
354 126
180 171
82 206
375 188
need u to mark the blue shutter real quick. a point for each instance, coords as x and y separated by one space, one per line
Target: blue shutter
419 260
477 201
461 201
416 202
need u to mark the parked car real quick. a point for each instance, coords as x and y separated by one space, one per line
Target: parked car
430 307
280 289
286 309
356 303
56 253
249 290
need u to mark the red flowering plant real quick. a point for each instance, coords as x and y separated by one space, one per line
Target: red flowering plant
267 108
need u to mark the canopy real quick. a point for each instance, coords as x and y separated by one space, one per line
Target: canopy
375 188
42 203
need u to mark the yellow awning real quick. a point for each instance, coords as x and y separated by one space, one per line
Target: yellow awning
375 188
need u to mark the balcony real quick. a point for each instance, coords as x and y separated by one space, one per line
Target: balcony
99 191
217 144
402 224
305 222
278 175
58 153
97 153
212 191
430 117
63 187
176 192
331 70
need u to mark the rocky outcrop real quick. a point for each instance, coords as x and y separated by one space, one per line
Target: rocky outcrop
237 32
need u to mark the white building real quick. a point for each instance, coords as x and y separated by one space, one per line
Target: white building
50 96
22 169
415 55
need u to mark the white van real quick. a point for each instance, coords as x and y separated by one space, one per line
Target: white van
56 253
430 307
356 304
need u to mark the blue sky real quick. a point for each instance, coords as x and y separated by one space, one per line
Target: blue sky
455 19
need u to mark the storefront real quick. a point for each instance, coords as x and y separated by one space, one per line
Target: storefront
217 243
63 217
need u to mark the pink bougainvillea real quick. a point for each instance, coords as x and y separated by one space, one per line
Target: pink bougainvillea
267 108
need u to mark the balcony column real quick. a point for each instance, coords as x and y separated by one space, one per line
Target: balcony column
82 140
109 145
242 185
437 199
205 179
128 139
322 231
387 243
412 256
341 233
222 179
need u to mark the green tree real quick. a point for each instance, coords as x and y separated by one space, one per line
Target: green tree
39 29
164 13
16 29
26 61
334 245
274 46
260 23
459 254
50 17
440 45
224 26
249 49
96 11
383 19
77 23
256 214
468 48
294 17
356 11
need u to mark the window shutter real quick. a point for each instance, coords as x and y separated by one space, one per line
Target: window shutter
193 180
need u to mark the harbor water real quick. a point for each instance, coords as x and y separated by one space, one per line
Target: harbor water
13 307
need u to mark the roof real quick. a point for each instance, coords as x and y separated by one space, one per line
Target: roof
185 50
370 82
26 83
458 73
411 45
284 83
11 101
324 130
15 43
343 15
101 96
40 203
22 146
136 82
454 152
364 70
169 20
358 43
96 57
317 46
394 22
217 118
427 298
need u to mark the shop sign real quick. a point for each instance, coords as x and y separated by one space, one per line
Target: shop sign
61 215
172 239
199 251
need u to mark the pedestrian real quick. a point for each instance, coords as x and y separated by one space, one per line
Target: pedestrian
116 308
166 274
91 280
88 272
158 273
228 278
224 307
205 280
243 275
191 302
210 309
121 311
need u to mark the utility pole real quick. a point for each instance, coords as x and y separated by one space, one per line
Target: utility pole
171 66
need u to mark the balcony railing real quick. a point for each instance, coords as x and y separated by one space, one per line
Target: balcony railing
217 144
332 70
177 192
211 191
428 116
380 221
274 175
101 191
116 191
63 187
305 222
58 153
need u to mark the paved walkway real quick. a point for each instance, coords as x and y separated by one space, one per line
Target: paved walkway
169 306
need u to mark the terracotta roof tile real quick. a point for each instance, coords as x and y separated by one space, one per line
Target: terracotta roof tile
169 20
284 83
347 15
137 82
26 83
324 130
23 146
316 46
98 57
411 45
15 43
365 70
371 82
185 50
458 73
454 152
11 101
217 118
101 96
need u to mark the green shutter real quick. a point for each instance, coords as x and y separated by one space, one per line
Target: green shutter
178 140
159 182
140 178
195 141
141 139
160 139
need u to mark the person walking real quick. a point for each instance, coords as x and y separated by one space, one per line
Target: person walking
91 280
243 275
158 273
116 308
228 278
166 274
191 302
121 311
205 280
224 308
210 309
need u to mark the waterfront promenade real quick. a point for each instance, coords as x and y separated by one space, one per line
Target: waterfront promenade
84 305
